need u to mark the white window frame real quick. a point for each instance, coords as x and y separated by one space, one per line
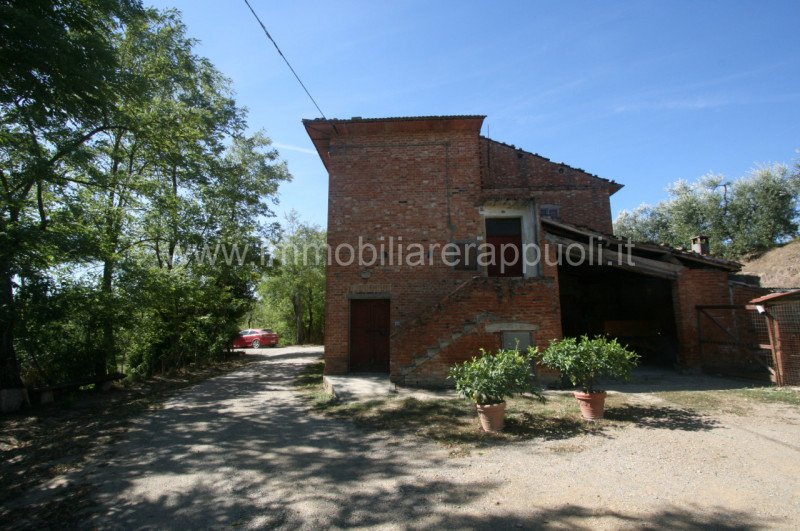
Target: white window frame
530 233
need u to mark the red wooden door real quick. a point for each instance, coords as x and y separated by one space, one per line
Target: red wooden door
506 232
369 335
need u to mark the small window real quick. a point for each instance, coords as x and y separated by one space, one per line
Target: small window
521 340
550 211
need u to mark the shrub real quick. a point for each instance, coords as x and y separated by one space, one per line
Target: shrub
585 360
490 378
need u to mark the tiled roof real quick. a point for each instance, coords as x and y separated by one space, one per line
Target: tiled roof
647 246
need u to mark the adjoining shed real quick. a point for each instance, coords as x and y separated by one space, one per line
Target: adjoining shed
643 294
781 312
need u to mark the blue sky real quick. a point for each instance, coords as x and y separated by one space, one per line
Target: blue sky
644 93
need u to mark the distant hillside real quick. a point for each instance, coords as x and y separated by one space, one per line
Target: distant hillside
778 268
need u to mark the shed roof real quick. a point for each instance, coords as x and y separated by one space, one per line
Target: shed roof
658 252
774 298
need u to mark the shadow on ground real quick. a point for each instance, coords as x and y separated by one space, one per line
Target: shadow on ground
580 518
661 379
660 417
243 450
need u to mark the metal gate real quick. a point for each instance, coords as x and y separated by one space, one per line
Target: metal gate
734 341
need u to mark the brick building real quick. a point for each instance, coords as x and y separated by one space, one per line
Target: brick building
421 199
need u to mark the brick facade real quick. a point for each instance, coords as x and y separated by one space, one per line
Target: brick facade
582 198
428 181
696 287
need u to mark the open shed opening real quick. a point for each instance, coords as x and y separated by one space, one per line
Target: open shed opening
636 309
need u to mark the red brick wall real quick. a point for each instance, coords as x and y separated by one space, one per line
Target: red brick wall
744 293
483 301
396 184
696 287
507 172
425 186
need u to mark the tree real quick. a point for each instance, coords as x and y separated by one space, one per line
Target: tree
59 81
749 215
182 174
102 203
293 292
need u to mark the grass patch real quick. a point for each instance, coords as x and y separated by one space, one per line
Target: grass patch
732 401
43 442
310 376
705 401
309 383
771 395
454 422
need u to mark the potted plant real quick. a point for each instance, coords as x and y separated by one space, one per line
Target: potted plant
585 360
487 380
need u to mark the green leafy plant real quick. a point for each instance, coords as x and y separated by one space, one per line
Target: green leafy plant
584 360
490 378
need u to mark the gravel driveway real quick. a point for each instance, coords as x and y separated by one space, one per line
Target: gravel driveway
243 450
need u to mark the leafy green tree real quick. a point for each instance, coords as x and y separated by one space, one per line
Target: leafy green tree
293 293
749 215
183 175
59 83
763 210
102 205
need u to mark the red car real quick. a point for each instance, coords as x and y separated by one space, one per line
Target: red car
256 338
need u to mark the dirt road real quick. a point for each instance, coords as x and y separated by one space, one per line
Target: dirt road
243 450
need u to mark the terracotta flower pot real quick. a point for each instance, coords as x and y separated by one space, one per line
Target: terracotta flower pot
493 416
592 404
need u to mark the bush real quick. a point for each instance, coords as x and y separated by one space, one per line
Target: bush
585 360
490 378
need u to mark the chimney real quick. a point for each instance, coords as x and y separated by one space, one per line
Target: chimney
700 245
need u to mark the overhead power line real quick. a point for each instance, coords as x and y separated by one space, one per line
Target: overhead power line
266 32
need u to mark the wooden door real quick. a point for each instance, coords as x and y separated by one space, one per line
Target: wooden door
506 232
369 335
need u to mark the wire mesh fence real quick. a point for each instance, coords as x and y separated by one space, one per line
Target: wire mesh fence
782 321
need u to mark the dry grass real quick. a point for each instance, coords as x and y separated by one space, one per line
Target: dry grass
454 423
732 401
779 267
43 442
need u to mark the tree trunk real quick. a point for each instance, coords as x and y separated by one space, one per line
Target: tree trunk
12 393
298 318
107 348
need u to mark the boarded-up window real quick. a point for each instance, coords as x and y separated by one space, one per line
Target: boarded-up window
550 211
517 339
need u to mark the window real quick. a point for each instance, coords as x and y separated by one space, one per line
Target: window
521 340
550 211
